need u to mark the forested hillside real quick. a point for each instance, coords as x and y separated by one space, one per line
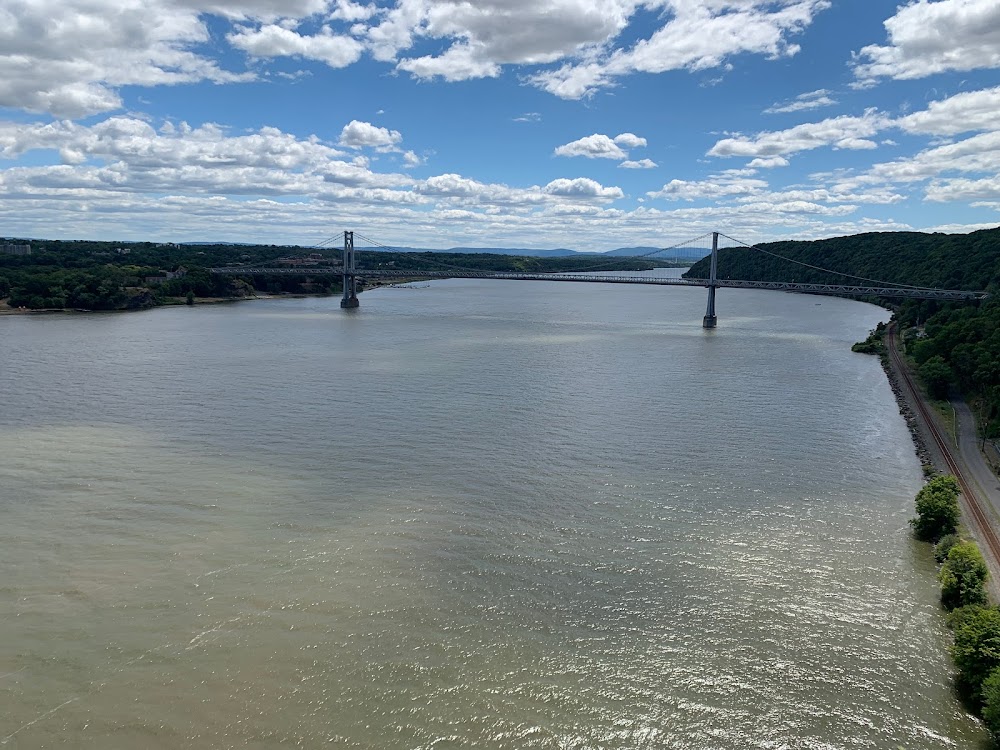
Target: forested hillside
954 345
954 261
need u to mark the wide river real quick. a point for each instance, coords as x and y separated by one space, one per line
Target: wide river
471 514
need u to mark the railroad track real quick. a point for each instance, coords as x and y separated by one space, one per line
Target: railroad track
987 534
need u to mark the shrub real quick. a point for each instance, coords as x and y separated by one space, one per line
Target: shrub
944 545
976 650
962 577
991 702
873 344
937 509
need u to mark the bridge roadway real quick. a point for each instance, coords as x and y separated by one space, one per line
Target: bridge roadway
782 286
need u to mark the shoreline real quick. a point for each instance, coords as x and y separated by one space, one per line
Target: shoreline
936 457
6 309
909 413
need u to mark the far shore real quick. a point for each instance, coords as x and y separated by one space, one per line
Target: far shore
6 309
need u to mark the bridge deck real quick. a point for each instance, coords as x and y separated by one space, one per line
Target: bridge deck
783 286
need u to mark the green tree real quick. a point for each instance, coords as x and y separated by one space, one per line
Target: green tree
937 376
991 702
944 545
937 508
874 343
190 298
976 650
963 577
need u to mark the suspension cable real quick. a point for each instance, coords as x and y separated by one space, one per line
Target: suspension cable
685 243
593 266
327 241
435 262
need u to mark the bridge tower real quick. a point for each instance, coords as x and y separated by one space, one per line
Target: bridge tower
710 320
350 299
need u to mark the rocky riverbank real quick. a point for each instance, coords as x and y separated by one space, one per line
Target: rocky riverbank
908 412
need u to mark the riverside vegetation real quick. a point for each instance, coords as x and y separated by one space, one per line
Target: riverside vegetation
120 276
963 574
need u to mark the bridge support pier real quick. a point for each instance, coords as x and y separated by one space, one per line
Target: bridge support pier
710 320
350 280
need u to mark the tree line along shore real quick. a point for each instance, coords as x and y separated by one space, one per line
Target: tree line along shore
962 573
86 275
975 625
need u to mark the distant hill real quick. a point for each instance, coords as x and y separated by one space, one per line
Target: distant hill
228 244
952 261
558 253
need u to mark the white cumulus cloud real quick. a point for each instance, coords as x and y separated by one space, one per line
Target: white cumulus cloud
720 186
964 189
968 111
640 164
847 132
594 146
583 187
697 36
480 37
933 37
357 134
977 154
629 140
599 146
277 41
459 63
68 57
347 10
768 162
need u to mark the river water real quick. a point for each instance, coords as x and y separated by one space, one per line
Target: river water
471 514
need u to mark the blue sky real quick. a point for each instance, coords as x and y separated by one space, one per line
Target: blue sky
533 123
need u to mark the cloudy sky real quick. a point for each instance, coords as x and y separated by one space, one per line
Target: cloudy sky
589 124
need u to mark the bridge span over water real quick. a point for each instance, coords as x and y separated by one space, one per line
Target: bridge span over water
350 273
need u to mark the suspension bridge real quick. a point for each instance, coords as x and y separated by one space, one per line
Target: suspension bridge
350 273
